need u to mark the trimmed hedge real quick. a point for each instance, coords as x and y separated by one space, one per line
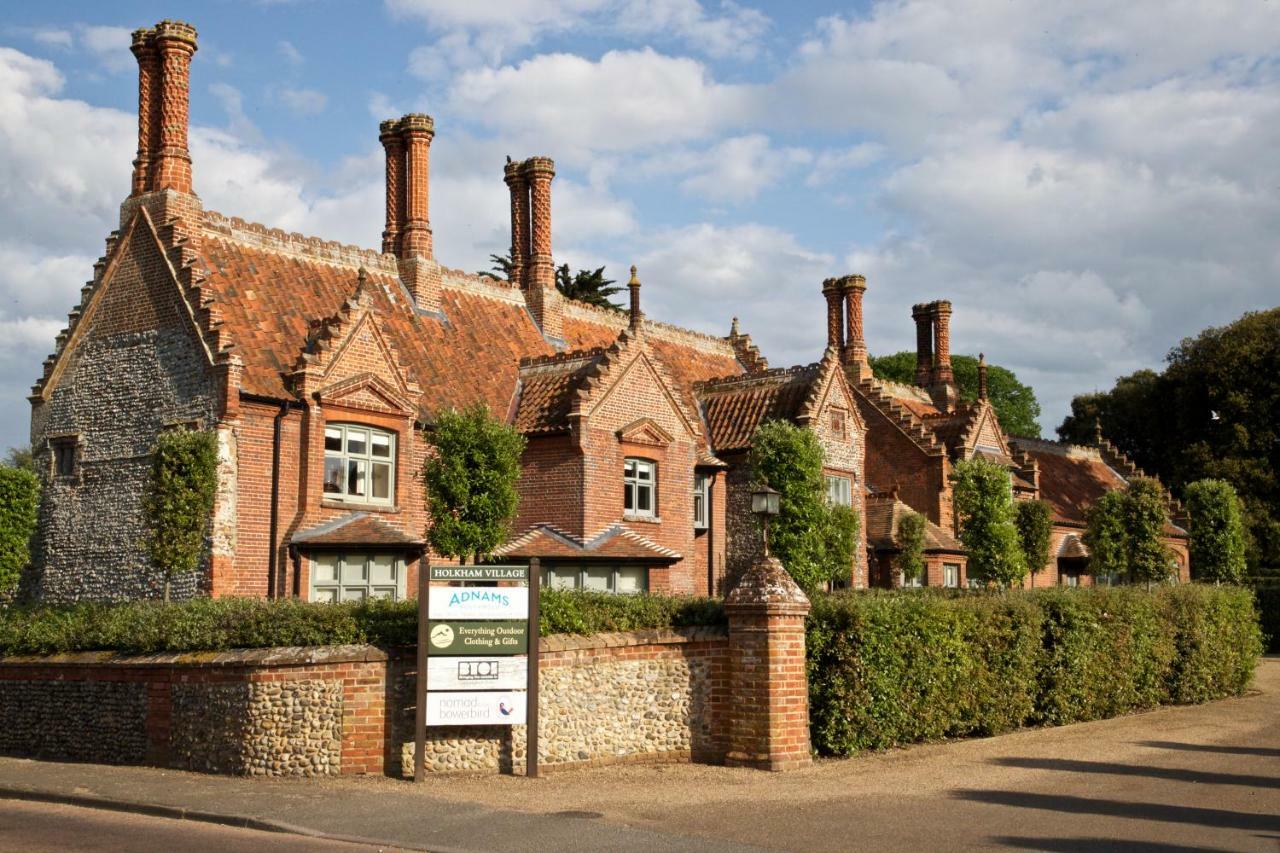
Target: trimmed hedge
202 624
893 668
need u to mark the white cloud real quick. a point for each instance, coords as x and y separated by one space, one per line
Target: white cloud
627 100
290 53
53 38
831 164
735 170
109 46
303 102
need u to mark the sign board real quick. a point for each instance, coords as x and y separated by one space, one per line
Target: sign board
480 573
505 637
479 602
476 708
477 673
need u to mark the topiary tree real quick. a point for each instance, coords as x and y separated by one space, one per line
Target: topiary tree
471 482
19 504
984 507
1217 532
815 541
1150 560
1105 537
910 539
178 503
1034 520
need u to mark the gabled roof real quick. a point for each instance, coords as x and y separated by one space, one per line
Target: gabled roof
733 407
357 528
614 542
547 388
902 406
885 513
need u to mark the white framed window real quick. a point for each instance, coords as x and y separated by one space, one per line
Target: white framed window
839 491
355 576
640 485
951 575
597 577
359 464
701 501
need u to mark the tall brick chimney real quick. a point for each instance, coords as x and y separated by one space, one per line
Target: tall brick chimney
407 143
637 316
923 316
144 49
943 384
835 318
854 353
982 376
541 297
518 184
393 145
175 44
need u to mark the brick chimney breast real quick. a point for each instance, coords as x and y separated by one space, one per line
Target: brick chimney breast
854 352
924 344
541 297
518 184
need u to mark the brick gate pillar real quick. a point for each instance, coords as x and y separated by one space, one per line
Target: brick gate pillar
769 696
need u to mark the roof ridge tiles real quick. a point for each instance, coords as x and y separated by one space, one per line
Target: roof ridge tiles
667 332
294 243
763 377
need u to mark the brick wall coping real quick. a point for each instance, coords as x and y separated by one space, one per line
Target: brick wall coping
285 656
624 639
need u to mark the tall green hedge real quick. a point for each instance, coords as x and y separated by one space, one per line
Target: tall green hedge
19 502
892 668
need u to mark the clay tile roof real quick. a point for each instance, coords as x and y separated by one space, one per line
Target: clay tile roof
885 513
547 386
919 408
358 528
614 542
1072 547
1072 478
734 406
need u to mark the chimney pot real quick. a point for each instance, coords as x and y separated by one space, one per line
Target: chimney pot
393 145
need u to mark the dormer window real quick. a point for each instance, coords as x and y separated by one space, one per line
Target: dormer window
359 464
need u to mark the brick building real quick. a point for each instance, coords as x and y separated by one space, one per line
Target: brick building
320 367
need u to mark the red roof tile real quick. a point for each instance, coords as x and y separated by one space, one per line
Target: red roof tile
358 528
615 542
733 408
885 513
1071 478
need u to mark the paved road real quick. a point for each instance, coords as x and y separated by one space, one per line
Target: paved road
1198 778
49 828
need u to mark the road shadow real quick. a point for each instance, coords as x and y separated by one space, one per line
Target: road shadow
1166 812
1094 845
1198 747
1174 774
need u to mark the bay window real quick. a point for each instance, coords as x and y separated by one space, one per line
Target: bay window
356 576
359 464
618 579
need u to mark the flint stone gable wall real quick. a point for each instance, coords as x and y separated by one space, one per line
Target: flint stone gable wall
137 367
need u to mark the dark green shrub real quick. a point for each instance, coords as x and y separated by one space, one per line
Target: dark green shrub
1218 639
178 504
1034 520
1217 531
19 502
984 510
910 540
573 612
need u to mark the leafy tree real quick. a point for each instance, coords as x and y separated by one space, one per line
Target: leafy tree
471 482
1034 520
501 269
589 286
178 503
1147 517
1015 404
814 540
1210 414
19 503
21 457
984 506
1217 533
1105 535
910 559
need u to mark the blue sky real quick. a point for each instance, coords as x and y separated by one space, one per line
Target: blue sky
1087 182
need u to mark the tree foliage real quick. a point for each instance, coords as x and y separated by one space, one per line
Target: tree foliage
1015 404
1217 532
1210 414
19 504
21 457
471 482
178 503
1125 533
1034 520
814 540
589 286
984 507
500 268
910 540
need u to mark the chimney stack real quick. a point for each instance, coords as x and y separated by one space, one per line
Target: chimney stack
982 376
835 320
518 184
144 49
393 145
538 279
924 344
175 44
854 352
943 385
407 143
637 316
